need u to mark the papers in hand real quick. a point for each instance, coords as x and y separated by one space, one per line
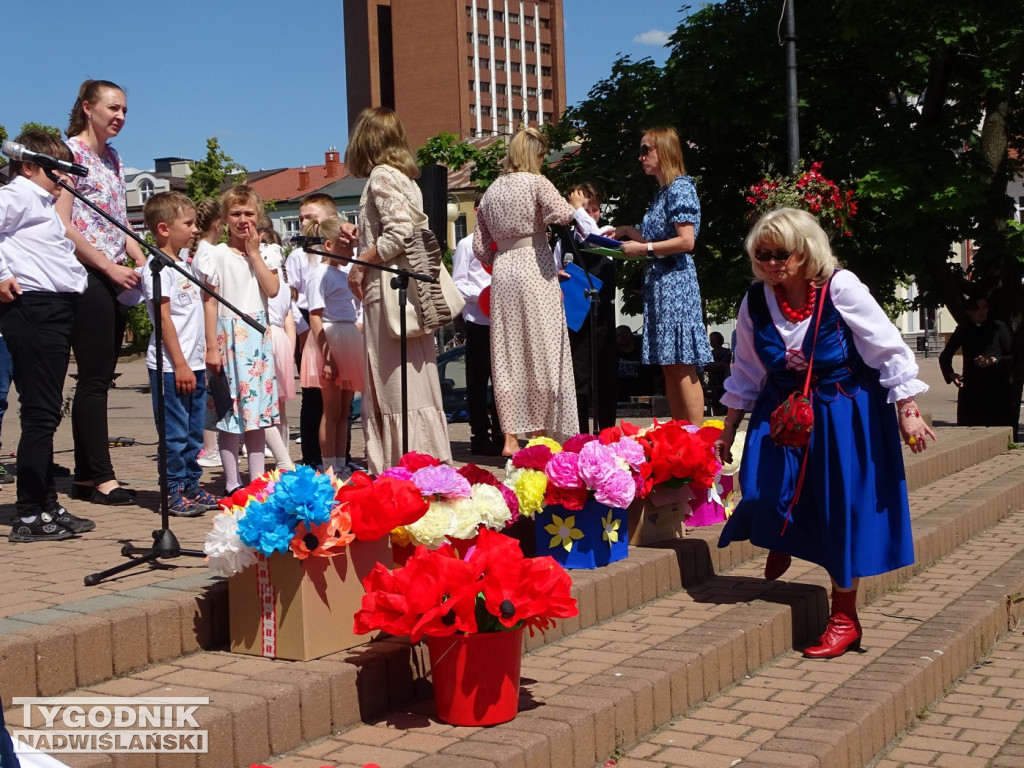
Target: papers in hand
604 246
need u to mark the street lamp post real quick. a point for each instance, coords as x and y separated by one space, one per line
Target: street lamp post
792 116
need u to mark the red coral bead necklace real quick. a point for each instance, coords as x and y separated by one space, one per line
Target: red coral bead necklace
800 313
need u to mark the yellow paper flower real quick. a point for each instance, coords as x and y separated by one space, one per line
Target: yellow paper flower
563 532
529 488
730 503
717 423
554 446
433 528
611 527
400 537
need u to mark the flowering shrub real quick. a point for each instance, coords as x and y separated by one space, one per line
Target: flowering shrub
307 513
810 191
459 501
495 588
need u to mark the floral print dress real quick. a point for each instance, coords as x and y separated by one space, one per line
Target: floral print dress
674 329
105 187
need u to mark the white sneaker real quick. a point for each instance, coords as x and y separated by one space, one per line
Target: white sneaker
209 459
268 452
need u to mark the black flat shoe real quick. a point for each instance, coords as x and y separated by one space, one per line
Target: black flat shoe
80 492
116 497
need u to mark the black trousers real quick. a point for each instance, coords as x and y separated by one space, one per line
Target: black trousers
483 416
96 340
311 410
37 328
607 354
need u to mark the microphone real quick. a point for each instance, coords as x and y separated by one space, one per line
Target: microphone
17 151
304 241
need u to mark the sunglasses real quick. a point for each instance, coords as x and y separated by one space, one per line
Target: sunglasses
766 255
645 150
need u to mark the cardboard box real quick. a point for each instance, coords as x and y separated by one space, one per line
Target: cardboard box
659 517
287 608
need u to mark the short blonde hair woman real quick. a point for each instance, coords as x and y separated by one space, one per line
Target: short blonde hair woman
378 149
531 365
846 508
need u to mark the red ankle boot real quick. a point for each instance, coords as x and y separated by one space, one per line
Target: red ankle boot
843 632
776 564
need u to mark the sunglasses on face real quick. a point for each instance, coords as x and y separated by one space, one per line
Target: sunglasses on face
780 255
645 150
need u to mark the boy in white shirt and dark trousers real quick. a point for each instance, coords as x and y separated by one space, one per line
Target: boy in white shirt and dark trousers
171 219
40 281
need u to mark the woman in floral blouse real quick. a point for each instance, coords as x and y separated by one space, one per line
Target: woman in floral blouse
97 117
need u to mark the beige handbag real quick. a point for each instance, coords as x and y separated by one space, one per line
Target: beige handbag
429 306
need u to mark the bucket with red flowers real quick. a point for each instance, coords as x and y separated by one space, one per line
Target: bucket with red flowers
295 547
472 612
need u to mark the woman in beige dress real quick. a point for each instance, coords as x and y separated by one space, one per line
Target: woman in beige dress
379 150
531 364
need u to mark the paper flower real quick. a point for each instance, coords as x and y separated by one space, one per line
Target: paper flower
413 461
563 532
399 473
737 454
305 493
441 481
611 528
576 442
322 540
533 457
529 487
432 529
552 445
226 553
563 469
491 506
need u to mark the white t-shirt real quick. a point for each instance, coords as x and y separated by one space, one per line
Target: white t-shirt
186 316
327 289
234 278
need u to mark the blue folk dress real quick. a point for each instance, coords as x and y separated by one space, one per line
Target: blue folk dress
852 517
673 319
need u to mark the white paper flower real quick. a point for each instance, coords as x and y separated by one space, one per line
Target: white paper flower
227 554
467 518
490 506
432 529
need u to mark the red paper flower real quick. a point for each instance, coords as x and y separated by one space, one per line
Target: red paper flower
570 498
413 461
535 457
478 475
379 506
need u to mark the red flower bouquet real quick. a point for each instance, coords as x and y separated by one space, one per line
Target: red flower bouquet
811 191
676 453
438 594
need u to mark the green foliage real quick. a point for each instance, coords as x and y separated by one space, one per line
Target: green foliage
208 175
141 327
3 138
446 149
33 126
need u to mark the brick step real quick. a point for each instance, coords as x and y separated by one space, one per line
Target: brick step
593 692
919 639
265 707
978 723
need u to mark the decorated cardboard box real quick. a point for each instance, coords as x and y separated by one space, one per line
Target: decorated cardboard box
587 538
286 608
668 512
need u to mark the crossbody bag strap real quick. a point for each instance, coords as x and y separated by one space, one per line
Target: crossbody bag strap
814 338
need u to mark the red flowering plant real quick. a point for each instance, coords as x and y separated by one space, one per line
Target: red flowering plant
494 589
811 191
306 513
676 453
459 501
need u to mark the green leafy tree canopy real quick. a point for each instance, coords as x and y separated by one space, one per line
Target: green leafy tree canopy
208 175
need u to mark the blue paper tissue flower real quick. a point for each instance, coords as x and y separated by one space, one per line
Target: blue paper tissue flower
266 527
306 495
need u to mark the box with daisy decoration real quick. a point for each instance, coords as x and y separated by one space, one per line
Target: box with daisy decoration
295 547
577 494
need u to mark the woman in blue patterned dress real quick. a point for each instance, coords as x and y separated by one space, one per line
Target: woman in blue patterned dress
674 334
851 514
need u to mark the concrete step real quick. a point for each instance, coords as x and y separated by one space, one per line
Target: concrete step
263 707
979 723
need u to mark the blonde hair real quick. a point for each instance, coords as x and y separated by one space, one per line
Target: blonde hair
165 208
670 154
240 194
526 152
797 232
378 138
207 215
329 229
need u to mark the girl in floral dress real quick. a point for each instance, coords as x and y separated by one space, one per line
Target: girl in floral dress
238 272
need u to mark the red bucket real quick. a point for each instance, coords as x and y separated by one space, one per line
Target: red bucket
476 677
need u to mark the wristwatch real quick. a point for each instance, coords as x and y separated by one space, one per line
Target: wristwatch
650 249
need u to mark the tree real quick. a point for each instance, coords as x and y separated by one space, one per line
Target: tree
33 126
208 175
448 150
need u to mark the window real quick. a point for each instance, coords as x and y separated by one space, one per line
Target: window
517 67
545 48
461 228
472 85
513 18
533 115
528 21
547 93
499 16
481 13
291 226
469 12
531 69
499 65
485 63
485 111
531 46
472 109
485 86
515 44
500 88
146 189
517 114
517 90
545 23
549 118
483 39
531 93
502 112
545 71
499 42
469 38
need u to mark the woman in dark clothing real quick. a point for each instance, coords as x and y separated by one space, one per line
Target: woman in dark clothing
985 398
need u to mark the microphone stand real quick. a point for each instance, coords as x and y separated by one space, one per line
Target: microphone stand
165 543
400 281
593 295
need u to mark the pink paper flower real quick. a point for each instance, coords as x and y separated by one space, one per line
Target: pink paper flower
442 481
618 490
563 470
575 443
535 457
399 473
629 451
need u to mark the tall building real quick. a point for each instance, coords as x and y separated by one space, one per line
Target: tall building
469 67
